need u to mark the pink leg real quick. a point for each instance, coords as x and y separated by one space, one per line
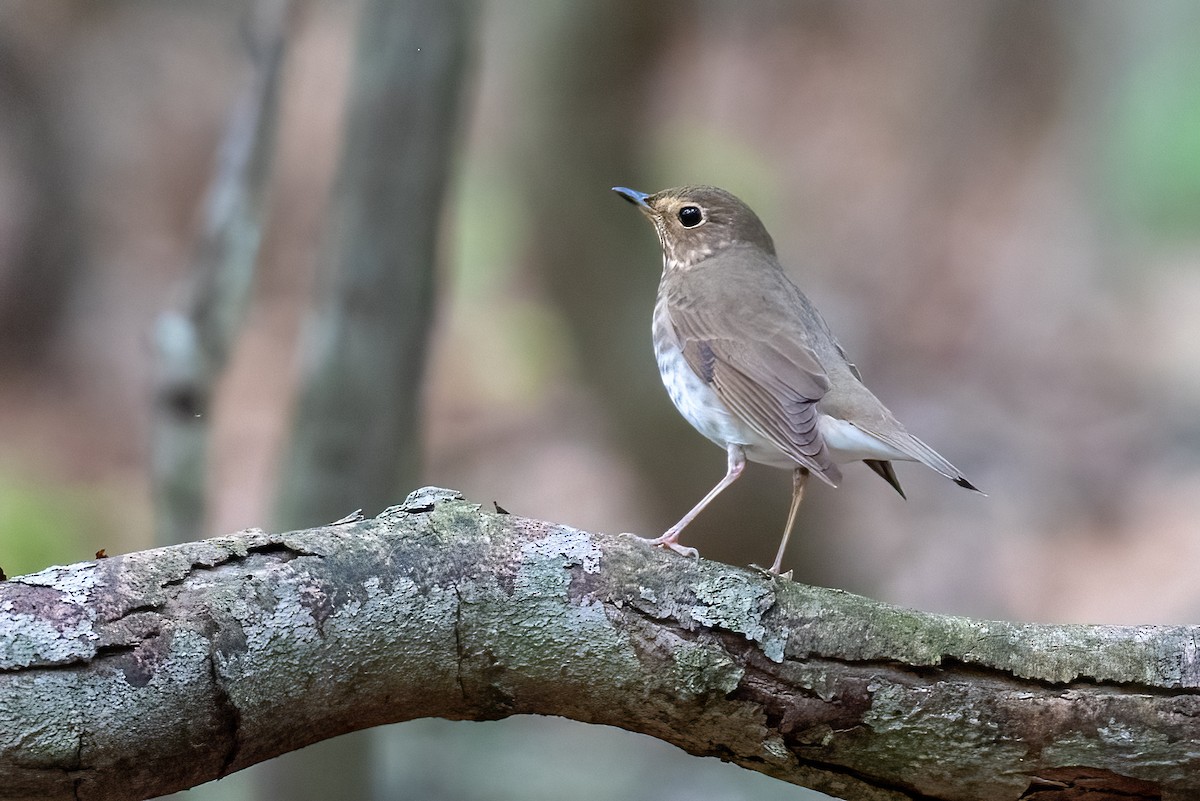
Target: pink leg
799 477
737 463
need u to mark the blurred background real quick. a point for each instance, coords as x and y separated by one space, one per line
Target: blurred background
248 249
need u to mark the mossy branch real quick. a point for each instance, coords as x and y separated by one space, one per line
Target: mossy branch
139 675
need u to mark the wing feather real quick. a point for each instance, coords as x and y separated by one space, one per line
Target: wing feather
770 380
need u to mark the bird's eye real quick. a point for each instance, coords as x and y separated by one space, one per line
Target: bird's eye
691 216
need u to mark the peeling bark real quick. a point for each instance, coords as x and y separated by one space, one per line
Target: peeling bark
139 675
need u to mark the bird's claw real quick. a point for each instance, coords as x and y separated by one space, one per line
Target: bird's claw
769 573
666 542
682 550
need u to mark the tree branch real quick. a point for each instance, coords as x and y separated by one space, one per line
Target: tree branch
138 675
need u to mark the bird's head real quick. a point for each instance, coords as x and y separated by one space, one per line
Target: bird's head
694 222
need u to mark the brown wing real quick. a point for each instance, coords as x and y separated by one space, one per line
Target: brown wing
764 372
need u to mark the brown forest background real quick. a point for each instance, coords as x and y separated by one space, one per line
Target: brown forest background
995 204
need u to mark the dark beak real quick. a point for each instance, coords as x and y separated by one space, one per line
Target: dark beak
633 196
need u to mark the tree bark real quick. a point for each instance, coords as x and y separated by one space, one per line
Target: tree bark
133 676
43 243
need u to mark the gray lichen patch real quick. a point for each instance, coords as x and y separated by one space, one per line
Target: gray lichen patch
74 582
530 638
702 669
737 602
45 619
557 549
34 641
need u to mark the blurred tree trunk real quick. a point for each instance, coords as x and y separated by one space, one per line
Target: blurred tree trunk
356 438
601 262
356 431
40 262
193 343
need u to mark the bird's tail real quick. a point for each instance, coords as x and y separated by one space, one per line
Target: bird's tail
920 452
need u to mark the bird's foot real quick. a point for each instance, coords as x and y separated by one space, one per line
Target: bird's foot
772 572
669 540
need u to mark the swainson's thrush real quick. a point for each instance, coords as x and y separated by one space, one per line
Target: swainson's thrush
750 363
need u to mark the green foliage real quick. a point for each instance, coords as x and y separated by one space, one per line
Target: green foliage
1154 152
44 524
514 341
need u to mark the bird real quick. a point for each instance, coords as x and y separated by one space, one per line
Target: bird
748 360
